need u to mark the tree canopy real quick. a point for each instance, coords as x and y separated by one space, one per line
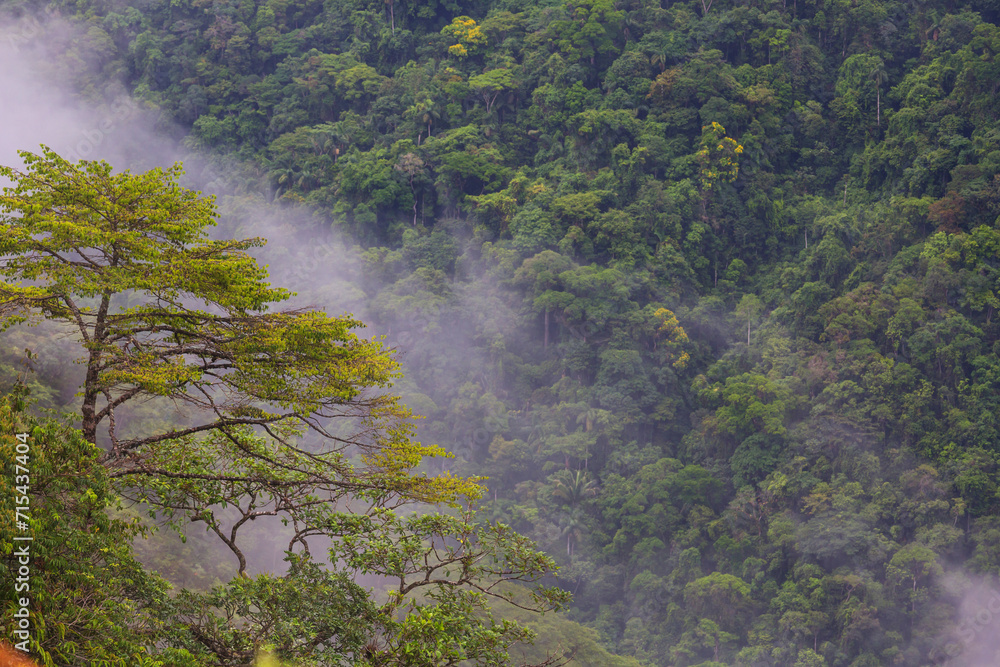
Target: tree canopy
709 290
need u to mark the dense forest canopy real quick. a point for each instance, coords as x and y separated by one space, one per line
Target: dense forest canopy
707 288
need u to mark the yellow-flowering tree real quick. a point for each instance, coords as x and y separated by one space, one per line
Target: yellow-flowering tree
718 157
468 36
671 337
718 160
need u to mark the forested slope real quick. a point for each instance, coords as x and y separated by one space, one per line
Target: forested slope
707 288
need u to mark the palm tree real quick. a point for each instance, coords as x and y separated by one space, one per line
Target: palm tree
573 488
432 112
573 526
307 178
659 58
282 173
325 140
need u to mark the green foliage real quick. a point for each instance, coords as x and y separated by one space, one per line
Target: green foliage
589 30
78 240
576 213
437 614
291 615
90 601
145 234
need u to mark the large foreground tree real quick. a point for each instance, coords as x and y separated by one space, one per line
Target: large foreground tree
282 413
162 310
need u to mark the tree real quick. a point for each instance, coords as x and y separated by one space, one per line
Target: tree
443 570
411 165
87 238
277 403
749 308
721 597
913 564
470 37
572 526
718 156
573 488
590 29
491 84
751 404
854 98
879 77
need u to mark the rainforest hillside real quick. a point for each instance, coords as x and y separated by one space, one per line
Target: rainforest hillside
707 288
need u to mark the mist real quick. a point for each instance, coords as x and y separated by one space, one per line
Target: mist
43 106
303 254
814 501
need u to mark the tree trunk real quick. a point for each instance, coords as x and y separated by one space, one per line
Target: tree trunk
878 107
90 386
414 194
545 345
89 408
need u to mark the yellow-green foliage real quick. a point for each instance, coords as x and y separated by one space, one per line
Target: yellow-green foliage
718 156
470 37
198 323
